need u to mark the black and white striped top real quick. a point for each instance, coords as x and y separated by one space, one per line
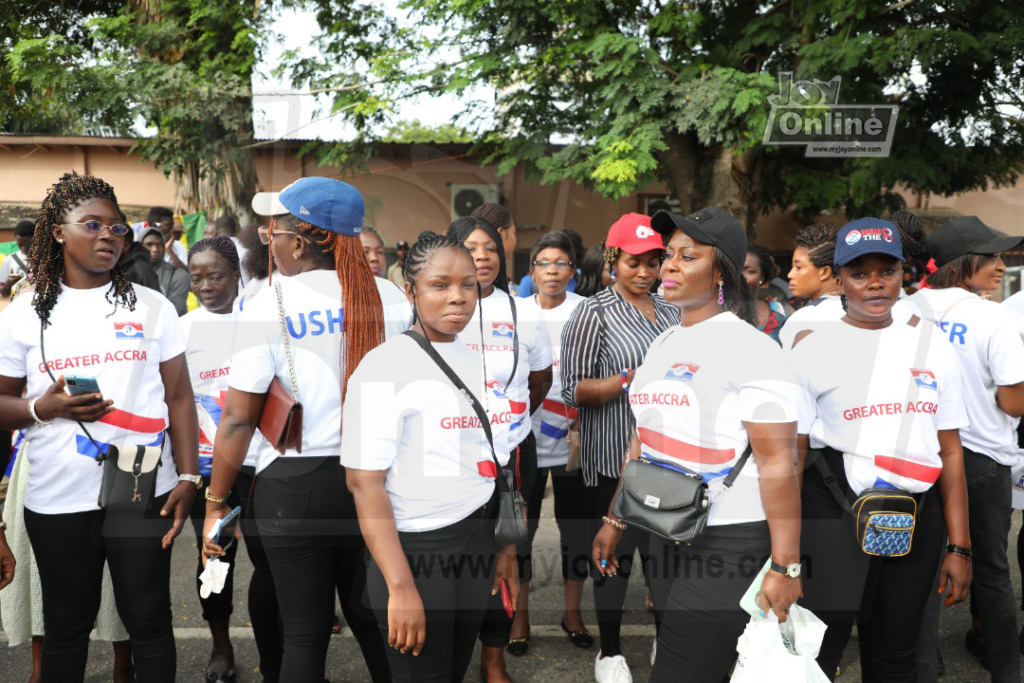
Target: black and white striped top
596 347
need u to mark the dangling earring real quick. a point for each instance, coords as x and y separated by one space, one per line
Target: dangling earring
613 273
842 300
721 293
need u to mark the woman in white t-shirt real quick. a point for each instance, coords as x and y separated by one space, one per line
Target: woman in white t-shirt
883 403
813 279
551 269
90 321
710 389
334 312
423 473
518 355
988 344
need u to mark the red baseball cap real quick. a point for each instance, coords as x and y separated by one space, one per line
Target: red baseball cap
634 235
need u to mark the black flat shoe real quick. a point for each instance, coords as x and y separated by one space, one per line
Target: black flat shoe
976 646
519 646
581 639
221 676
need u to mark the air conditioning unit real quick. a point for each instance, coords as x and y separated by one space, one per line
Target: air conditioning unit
651 204
467 198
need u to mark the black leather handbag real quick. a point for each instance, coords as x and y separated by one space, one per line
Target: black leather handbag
510 526
668 500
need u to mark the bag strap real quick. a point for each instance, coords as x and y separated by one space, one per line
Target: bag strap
101 454
837 492
287 342
730 478
515 339
21 264
481 414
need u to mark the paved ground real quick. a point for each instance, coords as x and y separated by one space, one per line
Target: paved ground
551 657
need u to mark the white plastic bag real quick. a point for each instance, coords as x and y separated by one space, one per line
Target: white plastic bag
770 651
1017 490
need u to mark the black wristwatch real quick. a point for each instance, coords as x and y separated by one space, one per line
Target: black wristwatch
790 570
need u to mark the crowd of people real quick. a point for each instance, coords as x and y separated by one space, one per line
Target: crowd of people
385 435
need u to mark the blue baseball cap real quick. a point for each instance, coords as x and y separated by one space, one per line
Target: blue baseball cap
326 203
868 236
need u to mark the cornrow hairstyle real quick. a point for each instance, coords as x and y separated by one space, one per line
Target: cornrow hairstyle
959 270
46 256
363 323
911 232
553 240
495 214
222 245
735 291
819 240
592 271
765 258
463 227
256 261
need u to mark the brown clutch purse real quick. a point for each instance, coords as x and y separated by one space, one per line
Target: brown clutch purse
281 420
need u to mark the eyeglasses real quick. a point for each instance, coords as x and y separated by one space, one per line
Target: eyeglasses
560 265
96 226
267 234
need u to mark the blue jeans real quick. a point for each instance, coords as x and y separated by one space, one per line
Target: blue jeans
992 599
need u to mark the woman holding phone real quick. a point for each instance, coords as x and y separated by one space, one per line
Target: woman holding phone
334 313
422 470
90 321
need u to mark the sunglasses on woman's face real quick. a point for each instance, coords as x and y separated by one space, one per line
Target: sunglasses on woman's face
95 227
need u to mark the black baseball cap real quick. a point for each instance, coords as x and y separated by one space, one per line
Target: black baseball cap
713 226
962 235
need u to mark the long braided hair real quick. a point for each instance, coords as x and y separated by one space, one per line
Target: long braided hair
46 256
363 326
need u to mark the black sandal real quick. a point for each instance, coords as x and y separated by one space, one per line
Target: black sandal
518 646
581 639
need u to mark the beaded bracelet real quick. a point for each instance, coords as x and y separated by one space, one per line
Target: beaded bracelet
625 384
615 523
960 551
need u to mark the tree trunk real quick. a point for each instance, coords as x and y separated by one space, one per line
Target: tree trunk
682 166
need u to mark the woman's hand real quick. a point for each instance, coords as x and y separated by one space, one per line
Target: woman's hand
55 402
214 511
6 562
780 592
506 568
604 549
957 572
179 501
407 621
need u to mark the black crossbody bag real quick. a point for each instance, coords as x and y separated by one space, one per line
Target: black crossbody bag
129 471
510 526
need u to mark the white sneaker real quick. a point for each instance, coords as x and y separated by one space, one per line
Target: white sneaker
612 670
654 650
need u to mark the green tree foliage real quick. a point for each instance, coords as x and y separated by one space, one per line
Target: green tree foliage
416 132
650 90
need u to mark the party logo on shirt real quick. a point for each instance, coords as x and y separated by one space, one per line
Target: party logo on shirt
504 330
682 372
496 389
925 379
128 331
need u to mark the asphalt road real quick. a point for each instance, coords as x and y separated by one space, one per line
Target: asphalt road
551 656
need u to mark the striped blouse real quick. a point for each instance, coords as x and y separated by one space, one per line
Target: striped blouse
593 347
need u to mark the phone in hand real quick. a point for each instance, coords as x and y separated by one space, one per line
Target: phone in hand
79 385
223 531
506 599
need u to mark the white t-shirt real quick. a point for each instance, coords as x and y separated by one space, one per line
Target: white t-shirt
209 342
830 310
880 397
1016 304
312 302
987 341
551 421
9 266
404 415
692 394
242 251
534 354
123 350
180 250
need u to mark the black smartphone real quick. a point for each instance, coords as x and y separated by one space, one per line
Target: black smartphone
79 385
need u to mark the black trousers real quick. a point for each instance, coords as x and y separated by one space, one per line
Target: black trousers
453 569
218 606
610 591
572 515
885 596
307 522
264 613
696 591
497 627
70 550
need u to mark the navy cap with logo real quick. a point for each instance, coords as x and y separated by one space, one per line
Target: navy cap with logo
962 235
713 226
867 236
324 202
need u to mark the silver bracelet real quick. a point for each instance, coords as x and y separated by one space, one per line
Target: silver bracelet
32 412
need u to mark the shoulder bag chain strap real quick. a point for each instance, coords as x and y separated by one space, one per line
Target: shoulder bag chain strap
287 342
